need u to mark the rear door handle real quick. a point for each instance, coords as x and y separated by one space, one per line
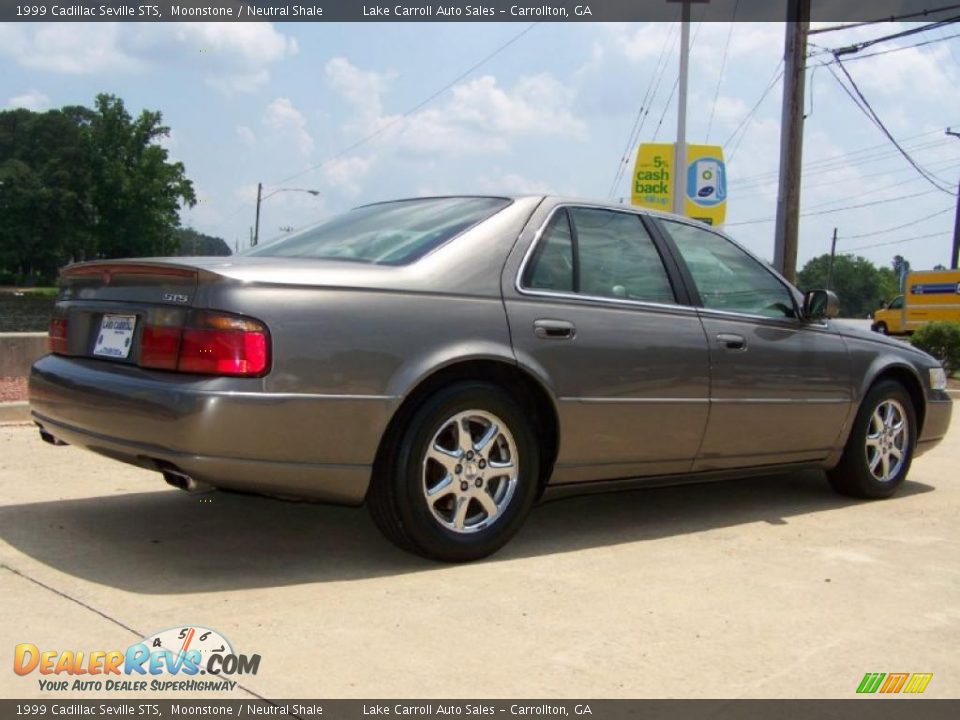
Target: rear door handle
554 329
732 341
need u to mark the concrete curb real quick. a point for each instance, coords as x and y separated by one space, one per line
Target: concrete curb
15 413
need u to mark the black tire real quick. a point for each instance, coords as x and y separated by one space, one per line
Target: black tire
852 476
881 328
396 499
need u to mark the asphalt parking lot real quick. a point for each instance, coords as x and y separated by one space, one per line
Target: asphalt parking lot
766 587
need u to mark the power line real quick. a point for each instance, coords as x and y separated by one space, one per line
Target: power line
403 116
744 122
867 109
379 131
757 221
838 162
857 47
890 50
723 67
895 242
897 227
642 112
891 18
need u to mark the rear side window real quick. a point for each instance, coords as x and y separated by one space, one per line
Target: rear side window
618 258
600 253
394 233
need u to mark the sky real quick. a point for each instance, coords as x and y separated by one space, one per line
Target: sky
362 112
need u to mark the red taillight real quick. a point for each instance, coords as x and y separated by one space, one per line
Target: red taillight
160 347
223 352
210 344
58 335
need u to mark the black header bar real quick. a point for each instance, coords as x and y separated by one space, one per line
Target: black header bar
460 10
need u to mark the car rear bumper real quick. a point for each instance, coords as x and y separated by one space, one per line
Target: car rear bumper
935 423
228 434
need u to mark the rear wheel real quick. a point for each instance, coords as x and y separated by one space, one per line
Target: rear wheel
461 477
880 448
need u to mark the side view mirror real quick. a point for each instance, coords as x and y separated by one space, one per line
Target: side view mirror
820 304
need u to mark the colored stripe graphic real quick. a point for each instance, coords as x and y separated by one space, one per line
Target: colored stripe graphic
870 682
918 683
894 682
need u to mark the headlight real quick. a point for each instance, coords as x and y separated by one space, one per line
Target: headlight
938 378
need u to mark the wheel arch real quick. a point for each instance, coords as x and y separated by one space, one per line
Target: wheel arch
909 379
519 382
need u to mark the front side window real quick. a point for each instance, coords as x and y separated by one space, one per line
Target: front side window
728 278
897 303
600 253
392 233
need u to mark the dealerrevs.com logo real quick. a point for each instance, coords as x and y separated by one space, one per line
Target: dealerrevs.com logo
183 659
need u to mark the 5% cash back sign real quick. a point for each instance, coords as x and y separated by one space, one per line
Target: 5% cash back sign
654 181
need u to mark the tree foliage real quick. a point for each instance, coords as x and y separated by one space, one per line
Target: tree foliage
82 183
861 286
942 340
191 242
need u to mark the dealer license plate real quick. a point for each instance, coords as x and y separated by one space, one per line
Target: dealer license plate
116 336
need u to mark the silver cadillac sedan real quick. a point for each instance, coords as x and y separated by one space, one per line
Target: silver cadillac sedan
449 361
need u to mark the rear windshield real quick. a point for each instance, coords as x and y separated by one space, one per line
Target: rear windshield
394 233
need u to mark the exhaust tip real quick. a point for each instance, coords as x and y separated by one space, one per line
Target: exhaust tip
50 439
182 481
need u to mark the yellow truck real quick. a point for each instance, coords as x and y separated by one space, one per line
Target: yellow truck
930 295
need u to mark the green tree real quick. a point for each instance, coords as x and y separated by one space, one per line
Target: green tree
80 183
136 191
191 242
860 285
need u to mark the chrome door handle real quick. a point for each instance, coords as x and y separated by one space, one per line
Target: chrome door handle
732 341
554 329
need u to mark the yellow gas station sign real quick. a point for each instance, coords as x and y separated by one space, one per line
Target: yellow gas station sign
706 181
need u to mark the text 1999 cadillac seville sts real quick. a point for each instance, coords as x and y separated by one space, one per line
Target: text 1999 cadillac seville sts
449 360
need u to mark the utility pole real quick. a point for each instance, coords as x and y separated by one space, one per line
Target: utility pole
955 254
833 255
680 164
256 232
791 138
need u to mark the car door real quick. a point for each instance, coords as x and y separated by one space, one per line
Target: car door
780 386
597 313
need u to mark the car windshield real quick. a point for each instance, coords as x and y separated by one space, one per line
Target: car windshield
393 233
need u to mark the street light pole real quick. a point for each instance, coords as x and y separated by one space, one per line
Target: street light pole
256 231
261 198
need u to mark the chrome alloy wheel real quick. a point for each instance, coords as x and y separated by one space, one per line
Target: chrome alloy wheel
470 471
888 436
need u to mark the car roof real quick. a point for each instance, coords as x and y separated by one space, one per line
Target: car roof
553 199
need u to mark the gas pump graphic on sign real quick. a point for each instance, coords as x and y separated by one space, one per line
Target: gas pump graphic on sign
706 198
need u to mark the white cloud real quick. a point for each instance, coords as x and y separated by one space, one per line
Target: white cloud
346 173
514 183
480 116
247 137
30 100
361 88
71 48
233 57
282 116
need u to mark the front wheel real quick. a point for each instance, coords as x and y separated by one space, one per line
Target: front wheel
880 448
880 328
462 476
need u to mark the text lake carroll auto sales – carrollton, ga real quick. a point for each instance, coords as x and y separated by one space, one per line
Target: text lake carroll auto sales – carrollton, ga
170 660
